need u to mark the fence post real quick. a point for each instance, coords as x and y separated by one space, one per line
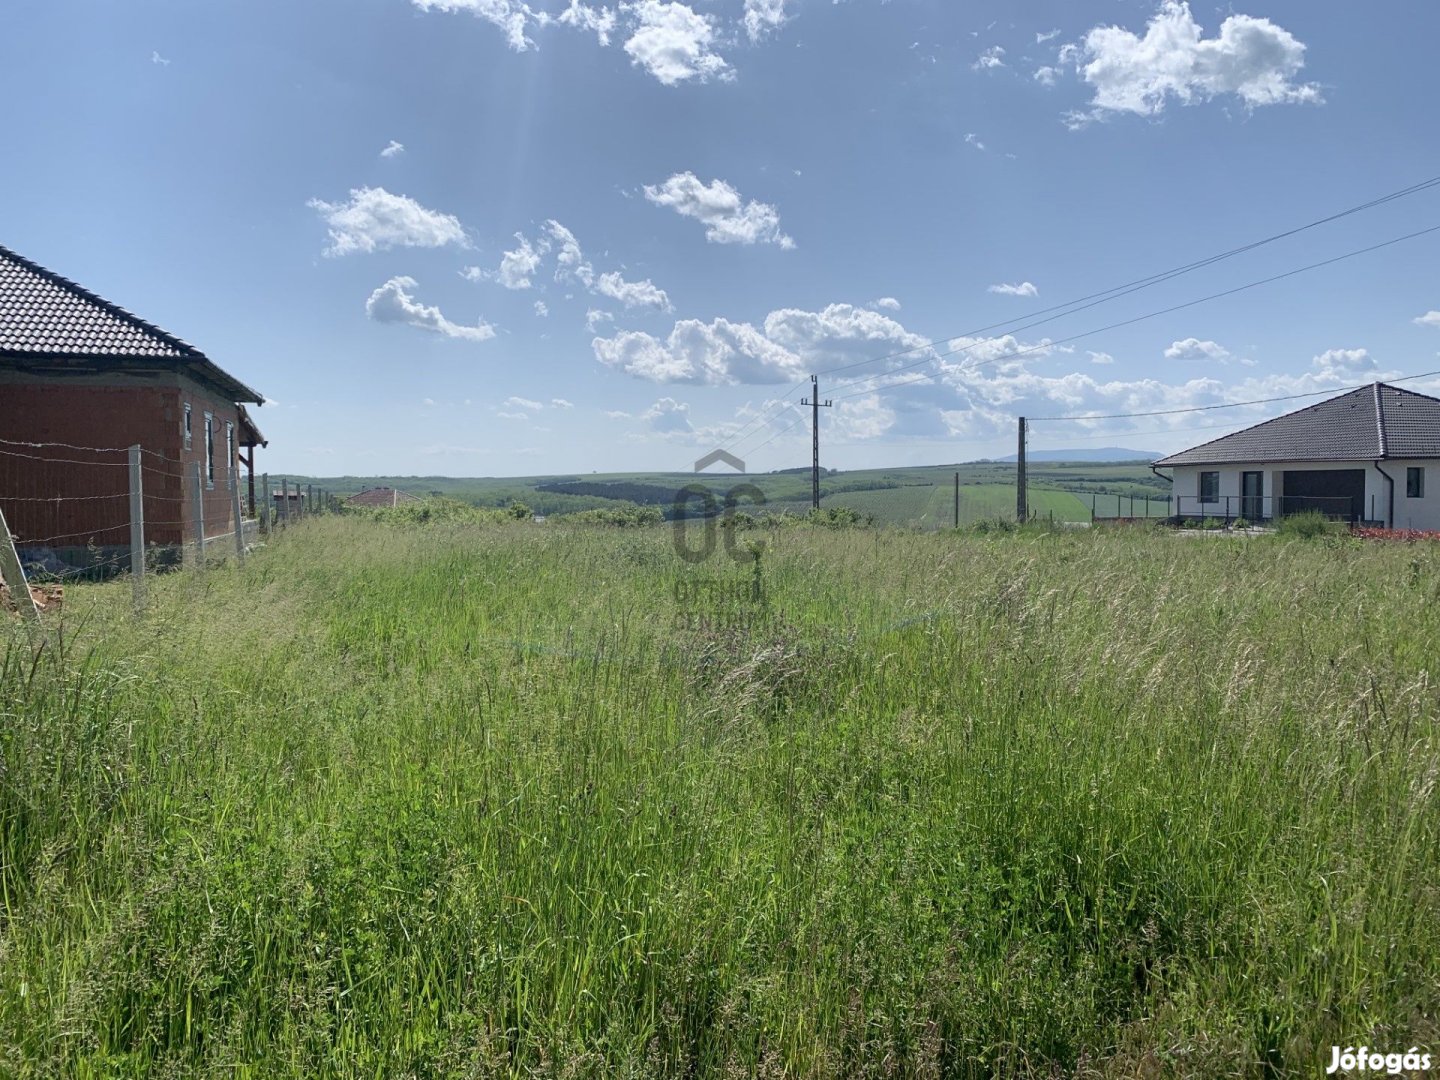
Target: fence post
199 503
1092 508
137 529
269 504
239 522
284 501
14 575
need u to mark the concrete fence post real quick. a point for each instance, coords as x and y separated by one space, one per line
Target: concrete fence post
137 529
239 521
284 501
199 510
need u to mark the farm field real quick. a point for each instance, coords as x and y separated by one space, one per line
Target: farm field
918 495
546 800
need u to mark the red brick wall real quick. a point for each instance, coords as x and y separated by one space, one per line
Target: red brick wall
72 497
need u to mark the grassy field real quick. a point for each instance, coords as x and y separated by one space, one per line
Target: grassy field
527 800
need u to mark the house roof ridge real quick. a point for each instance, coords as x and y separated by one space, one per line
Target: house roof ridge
177 343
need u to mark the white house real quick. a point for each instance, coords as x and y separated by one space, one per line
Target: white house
1370 455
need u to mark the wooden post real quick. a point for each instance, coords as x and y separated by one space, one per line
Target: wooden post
239 522
199 509
137 530
14 575
309 498
265 519
284 501
957 500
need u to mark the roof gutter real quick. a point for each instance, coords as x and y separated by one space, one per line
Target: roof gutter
1156 470
1384 453
1390 502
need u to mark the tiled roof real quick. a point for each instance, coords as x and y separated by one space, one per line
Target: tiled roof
381 496
45 317
1373 422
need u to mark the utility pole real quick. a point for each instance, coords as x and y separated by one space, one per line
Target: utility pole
1022 500
815 406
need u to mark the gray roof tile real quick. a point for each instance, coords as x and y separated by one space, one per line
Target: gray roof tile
1373 422
45 317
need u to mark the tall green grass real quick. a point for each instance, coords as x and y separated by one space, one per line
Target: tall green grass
505 800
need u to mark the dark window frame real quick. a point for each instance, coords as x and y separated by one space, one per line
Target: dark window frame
1415 482
210 450
186 428
1214 494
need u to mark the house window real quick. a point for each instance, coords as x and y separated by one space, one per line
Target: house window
209 450
189 440
1414 483
1209 487
230 451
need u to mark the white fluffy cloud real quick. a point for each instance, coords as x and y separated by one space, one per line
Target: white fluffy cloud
989 59
727 218
840 334
394 302
522 403
632 293
717 353
595 318
1195 349
1024 288
673 42
791 342
763 17
509 15
668 416
889 303
599 20
570 263
517 267
373 219
1251 58
542 309
1430 318
1101 358
395 149
561 403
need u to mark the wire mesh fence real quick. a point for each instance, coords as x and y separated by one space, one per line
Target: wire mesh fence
70 512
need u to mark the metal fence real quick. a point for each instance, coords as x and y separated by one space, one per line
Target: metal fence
86 513
1254 508
1109 506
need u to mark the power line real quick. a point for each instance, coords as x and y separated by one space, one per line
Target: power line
1083 303
1125 322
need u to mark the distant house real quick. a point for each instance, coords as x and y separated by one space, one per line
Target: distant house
82 379
381 496
1372 454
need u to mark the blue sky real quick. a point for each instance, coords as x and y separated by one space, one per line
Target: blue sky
480 237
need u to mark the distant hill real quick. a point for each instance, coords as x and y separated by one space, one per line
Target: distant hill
1104 453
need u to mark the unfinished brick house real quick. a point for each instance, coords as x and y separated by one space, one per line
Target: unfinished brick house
81 380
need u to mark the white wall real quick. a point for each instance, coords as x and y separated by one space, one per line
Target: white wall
1423 513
